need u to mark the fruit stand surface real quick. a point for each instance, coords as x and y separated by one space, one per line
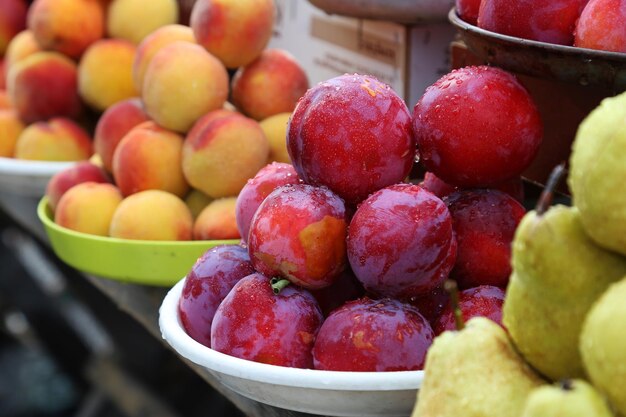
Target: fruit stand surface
140 302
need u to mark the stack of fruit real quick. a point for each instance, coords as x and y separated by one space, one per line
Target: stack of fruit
563 309
344 259
154 94
592 24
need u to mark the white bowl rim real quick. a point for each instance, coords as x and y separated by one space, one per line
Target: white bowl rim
173 332
13 166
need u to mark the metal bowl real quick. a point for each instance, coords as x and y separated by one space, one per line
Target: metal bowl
581 66
401 11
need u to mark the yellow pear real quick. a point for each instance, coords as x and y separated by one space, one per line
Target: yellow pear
474 372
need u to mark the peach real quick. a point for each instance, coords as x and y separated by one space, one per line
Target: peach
105 73
76 174
219 159
271 84
3 74
5 101
196 200
66 26
136 217
58 139
12 21
217 221
10 129
183 82
133 20
275 130
202 122
149 157
88 208
236 32
151 45
21 46
114 124
44 85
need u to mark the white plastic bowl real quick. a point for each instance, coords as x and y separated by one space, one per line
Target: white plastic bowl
28 178
358 394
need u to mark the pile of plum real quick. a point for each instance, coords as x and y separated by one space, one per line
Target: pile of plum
591 24
344 257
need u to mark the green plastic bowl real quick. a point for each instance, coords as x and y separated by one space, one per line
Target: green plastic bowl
149 262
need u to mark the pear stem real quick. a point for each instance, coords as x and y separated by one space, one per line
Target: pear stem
545 199
451 288
278 284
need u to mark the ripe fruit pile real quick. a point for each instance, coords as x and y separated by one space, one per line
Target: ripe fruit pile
593 24
349 257
149 97
564 350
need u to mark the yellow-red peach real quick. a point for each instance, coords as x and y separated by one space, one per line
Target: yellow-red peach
196 200
133 20
217 221
272 84
105 73
5 101
182 83
3 74
234 31
152 215
12 21
205 120
221 157
44 85
149 157
275 130
88 208
21 46
78 173
151 45
66 26
58 139
10 129
113 125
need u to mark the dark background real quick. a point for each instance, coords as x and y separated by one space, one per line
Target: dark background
67 350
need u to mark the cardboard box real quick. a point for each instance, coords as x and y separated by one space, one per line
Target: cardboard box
408 58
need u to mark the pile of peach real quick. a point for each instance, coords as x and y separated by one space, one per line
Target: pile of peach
168 113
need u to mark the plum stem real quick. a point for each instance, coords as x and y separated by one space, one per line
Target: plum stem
278 284
545 199
451 288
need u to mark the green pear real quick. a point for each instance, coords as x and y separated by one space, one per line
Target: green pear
597 172
603 344
558 273
474 372
571 398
